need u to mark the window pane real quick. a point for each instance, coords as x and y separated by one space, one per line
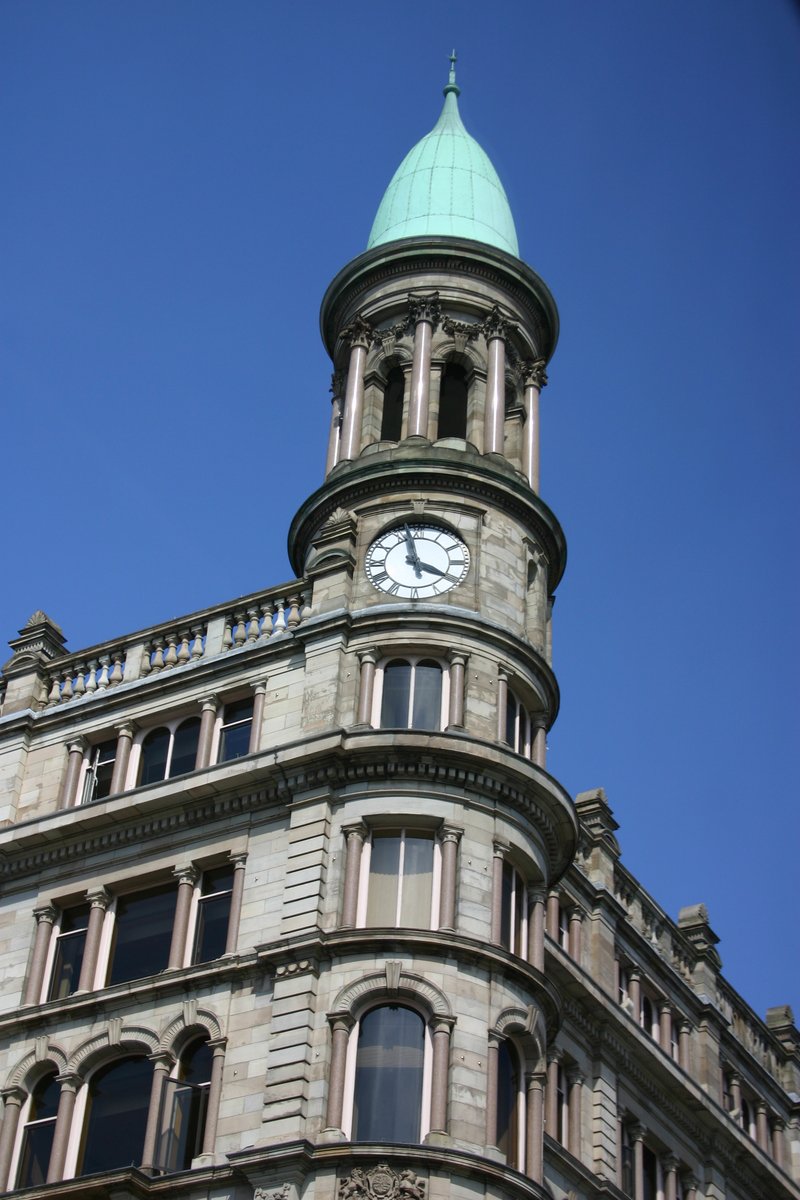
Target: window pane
212 928
69 952
511 721
427 695
415 910
184 748
506 906
396 689
196 1063
143 932
388 1088
453 402
37 1142
183 1121
384 867
235 737
392 418
507 1103
119 1097
155 748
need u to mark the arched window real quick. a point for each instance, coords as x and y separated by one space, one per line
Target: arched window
167 753
37 1134
118 1102
387 1101
412 694
392 417
184 1107
509 1104
453 402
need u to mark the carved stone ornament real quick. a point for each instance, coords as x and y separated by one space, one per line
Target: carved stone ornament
381 1183
359 332
533 372
265 1193
461 332
337 383
425 308
496 325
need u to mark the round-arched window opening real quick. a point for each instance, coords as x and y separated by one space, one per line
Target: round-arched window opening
387 1105
116 1118
453 402
37 1136
392 416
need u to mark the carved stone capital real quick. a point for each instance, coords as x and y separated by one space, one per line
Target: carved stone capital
496 325
46 914
425 308
359 333
533 373
98 898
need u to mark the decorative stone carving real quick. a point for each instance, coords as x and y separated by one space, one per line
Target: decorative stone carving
496 325
381 1183
359 332
461 332
425 308
265 1193
533 372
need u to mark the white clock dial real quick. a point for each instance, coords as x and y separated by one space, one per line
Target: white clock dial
416 561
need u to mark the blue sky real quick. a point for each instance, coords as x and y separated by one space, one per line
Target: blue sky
181 182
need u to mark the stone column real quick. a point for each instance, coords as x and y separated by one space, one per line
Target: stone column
122 757
778 1126
13 1099
66 1106
495 329
540 742
237 892
455 716
259 703
492 1058
208 716
534 1133
762 1127
502 705
575 940
635 992
498 853
359 335
337 405
575 1081
355 836
424 312
736 1096
551 1096
534 379
341 1024
45 919
76 748
637 1137
670 1167
187 877
536 901
449 837
620 1146
99 900
163 1062
684 1044
214 1095
690 1186
665 1026
368 660
553 914
439 1074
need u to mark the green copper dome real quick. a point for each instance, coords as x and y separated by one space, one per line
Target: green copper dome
446 186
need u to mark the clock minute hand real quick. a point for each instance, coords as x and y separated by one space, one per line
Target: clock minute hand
412 557
436 570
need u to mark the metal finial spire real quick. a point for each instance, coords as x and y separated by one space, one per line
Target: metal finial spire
452 86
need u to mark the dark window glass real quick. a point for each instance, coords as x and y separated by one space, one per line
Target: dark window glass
213 914
70 945
119 1097
511 720
183 1110
647 1015
388 1085
650 1173
453 402
511 911
508 1103
101 769
392 419
627 1164
184 747
155 751
142 933
235 735
427 696
561 1104
396 691
37 1136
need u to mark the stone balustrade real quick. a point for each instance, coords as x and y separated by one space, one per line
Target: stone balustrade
255 619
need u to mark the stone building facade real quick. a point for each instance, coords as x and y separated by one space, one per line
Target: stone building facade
292 907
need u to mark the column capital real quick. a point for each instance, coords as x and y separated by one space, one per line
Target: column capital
359 333
14 1096
98 897
670 1162
554 1054
237 859
341 1020
497 325
536 894
45 914
126 729
217 1046
533 373
162 1060
778 1124
457 658
441 1024
357 830
188 873
534 1079
424 308
450 833
500 847
664 1005
575 1076
370 654
70 1081
209 702
635 973
684 1025
259 688
638 1131
77 745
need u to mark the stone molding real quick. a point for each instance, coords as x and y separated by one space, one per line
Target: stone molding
392 982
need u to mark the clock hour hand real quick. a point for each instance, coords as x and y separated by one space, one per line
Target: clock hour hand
412 557
436 570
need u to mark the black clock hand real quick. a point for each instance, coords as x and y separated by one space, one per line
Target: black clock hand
412 557
437 571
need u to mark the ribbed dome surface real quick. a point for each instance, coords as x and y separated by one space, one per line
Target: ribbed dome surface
446 186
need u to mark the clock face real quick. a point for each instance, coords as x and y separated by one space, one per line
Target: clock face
416 561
